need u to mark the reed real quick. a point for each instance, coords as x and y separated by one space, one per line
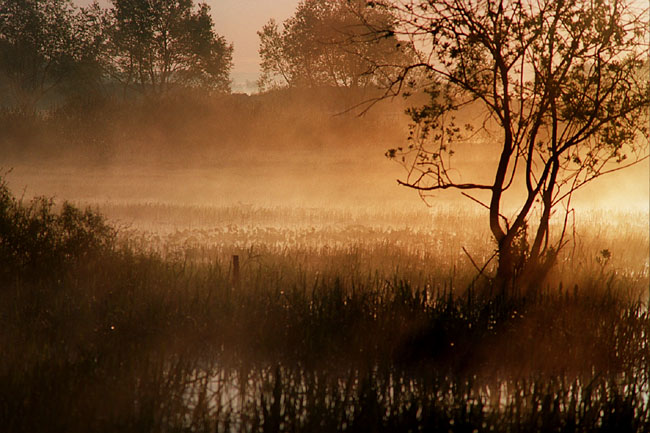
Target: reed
336 328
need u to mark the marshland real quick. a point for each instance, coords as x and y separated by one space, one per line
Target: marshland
179 257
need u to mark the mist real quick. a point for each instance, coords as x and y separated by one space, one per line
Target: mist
290 216
282 148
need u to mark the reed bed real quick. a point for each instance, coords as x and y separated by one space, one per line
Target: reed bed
341 321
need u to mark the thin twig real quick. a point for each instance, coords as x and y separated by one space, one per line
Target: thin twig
481 269
484 205
471 260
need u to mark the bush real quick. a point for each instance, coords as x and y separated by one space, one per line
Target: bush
38 242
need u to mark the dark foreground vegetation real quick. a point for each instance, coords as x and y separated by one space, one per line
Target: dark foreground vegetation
101 335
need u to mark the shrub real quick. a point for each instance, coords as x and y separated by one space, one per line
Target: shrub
37 242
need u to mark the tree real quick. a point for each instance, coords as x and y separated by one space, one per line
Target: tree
43 44
327 43
160 44
88 78
562 85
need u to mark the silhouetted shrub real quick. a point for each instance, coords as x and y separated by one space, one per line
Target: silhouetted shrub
37 242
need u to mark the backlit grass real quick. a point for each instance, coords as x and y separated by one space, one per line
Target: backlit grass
342 321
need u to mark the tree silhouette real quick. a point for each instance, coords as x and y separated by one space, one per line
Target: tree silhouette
160 44
562 86
44 45
327 43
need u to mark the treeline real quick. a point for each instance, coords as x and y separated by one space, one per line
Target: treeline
52 51
147 77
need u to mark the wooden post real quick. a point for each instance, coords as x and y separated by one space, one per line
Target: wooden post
235 271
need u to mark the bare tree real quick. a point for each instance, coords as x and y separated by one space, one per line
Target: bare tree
562 85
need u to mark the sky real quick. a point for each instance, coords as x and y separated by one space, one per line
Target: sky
238 21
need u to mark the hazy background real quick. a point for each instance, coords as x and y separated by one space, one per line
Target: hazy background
283 148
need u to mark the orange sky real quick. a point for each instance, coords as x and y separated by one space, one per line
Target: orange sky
239 21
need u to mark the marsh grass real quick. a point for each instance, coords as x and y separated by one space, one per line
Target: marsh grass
342 322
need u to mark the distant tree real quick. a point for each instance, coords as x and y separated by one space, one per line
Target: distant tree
562 87
327 43
43 45
88 78
160 44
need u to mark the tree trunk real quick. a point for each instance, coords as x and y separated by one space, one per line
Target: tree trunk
505 277
517 271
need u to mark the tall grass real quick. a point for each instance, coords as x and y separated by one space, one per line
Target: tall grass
334 327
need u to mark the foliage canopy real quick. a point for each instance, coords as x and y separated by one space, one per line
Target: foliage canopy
51 49
563 89
45 45
328 43
158 44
